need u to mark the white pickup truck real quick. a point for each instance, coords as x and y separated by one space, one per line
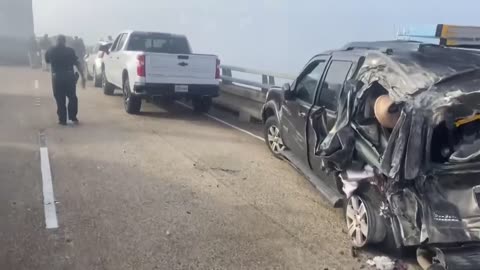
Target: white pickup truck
149 65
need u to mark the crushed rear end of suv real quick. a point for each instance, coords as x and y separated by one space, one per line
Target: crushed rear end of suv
401 144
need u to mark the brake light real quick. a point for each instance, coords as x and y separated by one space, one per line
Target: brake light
141 65
217 72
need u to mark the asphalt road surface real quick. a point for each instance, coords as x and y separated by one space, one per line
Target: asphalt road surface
163 190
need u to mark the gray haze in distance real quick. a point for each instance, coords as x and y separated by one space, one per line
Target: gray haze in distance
277 35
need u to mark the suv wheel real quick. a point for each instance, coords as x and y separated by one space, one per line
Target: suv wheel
273 136
202 104
132 104
362 214
108 88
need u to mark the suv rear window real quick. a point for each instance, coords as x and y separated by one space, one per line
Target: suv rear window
158 43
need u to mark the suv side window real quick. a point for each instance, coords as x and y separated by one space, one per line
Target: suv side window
307 85
333 84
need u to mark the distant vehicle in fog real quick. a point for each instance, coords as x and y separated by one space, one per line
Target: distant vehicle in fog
94 62
16 29
149 65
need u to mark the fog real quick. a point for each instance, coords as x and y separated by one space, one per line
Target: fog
278 35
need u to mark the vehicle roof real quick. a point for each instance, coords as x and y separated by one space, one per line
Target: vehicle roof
410 66
150 32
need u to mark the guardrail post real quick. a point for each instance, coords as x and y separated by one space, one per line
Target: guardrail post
226 72
264 82
271 80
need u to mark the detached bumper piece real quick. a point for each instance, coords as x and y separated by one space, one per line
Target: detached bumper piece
456 258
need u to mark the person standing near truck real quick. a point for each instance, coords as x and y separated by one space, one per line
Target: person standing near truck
64 79
45 45
33 52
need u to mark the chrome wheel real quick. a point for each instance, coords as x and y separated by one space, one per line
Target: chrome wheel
275 140
357 221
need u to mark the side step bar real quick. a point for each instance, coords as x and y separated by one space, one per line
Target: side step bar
332 195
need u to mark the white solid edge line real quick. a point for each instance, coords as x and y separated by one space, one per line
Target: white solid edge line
225 123
48 197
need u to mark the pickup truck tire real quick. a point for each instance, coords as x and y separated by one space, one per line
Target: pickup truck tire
132 104
273 137
108 88
202 104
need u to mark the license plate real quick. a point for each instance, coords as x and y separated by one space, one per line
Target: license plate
181 88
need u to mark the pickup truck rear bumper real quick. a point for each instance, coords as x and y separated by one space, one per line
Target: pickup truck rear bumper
168 90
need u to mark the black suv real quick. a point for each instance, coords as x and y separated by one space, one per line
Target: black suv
392 129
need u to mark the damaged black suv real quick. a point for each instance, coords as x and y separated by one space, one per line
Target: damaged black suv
392 129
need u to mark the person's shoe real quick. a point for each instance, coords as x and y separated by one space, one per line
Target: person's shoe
75 121
62 123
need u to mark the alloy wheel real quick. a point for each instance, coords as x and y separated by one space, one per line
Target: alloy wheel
275 140
357 221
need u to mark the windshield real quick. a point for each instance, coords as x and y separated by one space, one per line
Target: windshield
158 44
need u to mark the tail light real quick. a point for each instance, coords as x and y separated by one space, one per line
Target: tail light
217 72
141 65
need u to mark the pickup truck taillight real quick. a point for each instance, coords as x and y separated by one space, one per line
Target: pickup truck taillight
217 72
141 65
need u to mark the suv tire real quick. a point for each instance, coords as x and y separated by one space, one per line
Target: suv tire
365 226
273 137
97 81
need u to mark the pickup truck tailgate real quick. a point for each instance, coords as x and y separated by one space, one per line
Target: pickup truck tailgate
180 69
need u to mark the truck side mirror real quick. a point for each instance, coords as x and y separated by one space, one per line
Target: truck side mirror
288 93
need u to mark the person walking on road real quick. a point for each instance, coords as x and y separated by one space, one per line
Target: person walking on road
64 79
45 45
33 52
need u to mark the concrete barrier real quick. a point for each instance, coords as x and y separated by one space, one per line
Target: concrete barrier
246 96
247 103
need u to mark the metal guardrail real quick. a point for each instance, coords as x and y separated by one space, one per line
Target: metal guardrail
268 78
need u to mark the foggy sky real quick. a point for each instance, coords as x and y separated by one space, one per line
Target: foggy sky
277 35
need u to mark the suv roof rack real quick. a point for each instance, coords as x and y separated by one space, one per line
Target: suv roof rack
386 47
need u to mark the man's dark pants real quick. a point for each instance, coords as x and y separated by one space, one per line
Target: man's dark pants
64 86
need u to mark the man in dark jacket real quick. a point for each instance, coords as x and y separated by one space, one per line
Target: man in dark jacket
64 79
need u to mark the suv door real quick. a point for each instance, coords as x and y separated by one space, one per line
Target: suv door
295 112
324 112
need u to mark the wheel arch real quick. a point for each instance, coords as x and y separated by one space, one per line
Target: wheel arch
124 75
268 110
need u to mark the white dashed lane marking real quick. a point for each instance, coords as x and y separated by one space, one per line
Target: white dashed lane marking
51 220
